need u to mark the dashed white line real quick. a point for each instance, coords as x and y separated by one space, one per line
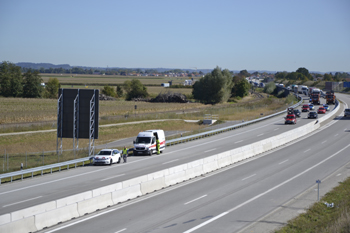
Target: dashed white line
339 174
239 141
22 201
209 150
171 161
335 135
260 135
112 177
249 177
284 161
276 129
195 199
121 230
307 150
324 141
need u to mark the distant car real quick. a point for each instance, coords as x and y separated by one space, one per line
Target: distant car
297 112
310 100
312 115
107 156
311 106
326 107
305 108
347 112
321 110
290 119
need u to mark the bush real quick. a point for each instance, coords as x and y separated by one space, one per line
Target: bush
270 87
135 89
108 91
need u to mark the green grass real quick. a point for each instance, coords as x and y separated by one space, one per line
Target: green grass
321 219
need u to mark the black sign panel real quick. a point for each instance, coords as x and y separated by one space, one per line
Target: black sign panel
67 116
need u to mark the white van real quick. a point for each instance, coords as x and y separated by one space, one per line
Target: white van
145 142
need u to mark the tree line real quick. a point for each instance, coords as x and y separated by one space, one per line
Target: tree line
302 74
14 83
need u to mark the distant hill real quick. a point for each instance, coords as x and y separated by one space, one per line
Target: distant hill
40 65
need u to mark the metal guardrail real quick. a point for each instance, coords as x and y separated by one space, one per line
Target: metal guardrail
43 168
168 143
221 130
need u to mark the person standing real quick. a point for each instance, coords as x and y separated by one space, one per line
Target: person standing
158 147
125 154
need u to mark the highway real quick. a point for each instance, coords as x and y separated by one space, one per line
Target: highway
31 192
229 200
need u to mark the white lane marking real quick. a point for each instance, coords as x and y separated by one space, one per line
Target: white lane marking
266 192
260 135
335 135
209 150
239 141
345 129
22 201
276 129
324 141
112 177
249 177
339 174
121 230
195 199
307 150
284 161
170 161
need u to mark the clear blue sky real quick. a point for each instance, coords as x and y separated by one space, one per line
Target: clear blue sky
279 35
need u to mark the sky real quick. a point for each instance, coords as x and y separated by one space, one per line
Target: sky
274 35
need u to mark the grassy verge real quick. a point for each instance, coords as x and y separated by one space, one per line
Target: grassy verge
320 218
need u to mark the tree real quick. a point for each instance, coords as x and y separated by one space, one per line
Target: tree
242 88
135 89
327 77
119 91
32 84
10 80
244 73
269 88
108 91
214 87
51 88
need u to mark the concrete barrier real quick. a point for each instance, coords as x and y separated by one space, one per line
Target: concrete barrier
134 181
6 218
73 199
175 178
55 216
95 203
126 193
27 212
194 171
24 225
107 189
152 185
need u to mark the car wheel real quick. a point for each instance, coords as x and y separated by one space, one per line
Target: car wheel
110 162
119 160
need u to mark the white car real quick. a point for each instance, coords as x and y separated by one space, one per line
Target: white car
107 156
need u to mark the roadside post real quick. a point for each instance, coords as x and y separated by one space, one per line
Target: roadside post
318 189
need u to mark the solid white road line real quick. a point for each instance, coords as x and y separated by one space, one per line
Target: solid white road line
307 150
195 199
22 201
249 177
209 150
121 230
239 141
112 177
266 192
283 161
171 161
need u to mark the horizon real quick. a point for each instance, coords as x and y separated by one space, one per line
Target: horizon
271 35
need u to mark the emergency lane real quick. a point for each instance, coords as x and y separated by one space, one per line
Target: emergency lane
231 199
63 184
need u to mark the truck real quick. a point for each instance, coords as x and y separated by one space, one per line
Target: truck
305 90
330 97
146 142
295 88
315 98
300 90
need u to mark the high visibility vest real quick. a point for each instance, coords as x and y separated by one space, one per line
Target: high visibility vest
125 151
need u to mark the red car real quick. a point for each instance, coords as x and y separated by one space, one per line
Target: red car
305 108
290 119
321 110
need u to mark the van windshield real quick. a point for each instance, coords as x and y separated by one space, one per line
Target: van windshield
143 140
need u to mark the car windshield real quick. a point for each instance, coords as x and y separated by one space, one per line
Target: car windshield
104 152
290 117
143 140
